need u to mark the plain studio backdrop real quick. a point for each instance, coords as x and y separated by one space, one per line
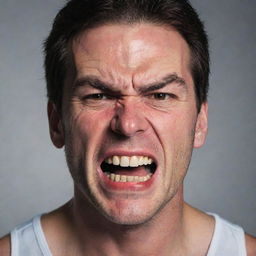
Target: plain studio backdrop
34 177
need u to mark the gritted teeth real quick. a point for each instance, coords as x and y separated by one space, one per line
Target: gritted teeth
127 161
126 178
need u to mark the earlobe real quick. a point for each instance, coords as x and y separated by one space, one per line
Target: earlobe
201 128
55 125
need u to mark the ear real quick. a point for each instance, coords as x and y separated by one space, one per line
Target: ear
201 126
55 125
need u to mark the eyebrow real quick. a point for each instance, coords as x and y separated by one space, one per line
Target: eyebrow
96 83
169 79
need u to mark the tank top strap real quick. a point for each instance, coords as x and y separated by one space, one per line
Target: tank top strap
228 239
28 239
41 240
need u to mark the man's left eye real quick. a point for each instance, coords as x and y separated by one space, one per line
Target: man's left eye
162 96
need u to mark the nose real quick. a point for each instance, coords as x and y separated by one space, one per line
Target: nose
129 119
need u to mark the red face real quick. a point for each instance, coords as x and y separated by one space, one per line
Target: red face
129 119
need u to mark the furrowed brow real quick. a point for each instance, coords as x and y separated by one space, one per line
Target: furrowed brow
171 78
95 83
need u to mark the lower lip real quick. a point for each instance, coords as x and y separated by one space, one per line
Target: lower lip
128 186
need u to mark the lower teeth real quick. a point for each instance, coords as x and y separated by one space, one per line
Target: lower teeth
125 178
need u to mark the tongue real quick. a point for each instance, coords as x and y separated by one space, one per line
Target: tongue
131 171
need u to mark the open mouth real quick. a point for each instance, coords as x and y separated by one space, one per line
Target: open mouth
128 169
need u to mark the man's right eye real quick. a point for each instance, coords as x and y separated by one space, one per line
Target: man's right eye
95 96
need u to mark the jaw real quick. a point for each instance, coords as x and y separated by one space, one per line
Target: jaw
127 202
130 207
119 199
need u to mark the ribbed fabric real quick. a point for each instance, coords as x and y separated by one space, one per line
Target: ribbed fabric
28 239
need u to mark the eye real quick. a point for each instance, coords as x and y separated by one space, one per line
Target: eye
96 96
162 96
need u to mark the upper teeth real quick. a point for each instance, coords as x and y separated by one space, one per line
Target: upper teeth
126 161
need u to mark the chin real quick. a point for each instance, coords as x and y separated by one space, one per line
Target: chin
130 213
129 219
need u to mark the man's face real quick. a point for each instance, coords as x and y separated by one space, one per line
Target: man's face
130 119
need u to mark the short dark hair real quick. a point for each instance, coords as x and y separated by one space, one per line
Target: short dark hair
79 15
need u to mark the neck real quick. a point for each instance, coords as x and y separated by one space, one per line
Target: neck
162 235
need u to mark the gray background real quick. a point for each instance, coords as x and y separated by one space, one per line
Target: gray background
33 174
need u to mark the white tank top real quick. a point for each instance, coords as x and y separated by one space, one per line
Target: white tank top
28 239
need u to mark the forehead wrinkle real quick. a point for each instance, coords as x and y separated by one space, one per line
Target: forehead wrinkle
117 74
119 79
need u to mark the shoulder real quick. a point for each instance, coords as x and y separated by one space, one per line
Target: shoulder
250 245
5 245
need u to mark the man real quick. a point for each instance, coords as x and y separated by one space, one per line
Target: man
127 83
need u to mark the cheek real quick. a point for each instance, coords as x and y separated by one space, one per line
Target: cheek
177 136
175 127
86 128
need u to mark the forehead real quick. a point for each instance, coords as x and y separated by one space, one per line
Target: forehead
123 54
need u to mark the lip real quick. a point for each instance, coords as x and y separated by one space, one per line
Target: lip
110 185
